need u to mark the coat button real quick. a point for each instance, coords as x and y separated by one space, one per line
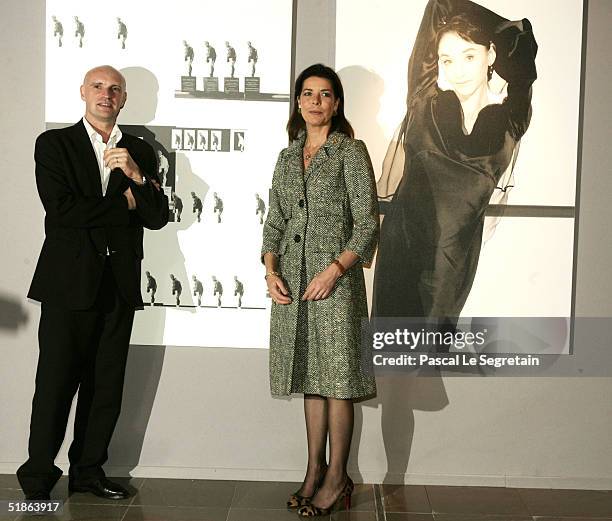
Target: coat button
301 203
297 238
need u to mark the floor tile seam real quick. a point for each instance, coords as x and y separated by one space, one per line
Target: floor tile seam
379 503
539 517
524 502
133 498
437 516
92 503
481 514
431 510
231 502
126 512
182 505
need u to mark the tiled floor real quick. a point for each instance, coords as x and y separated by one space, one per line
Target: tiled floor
194 500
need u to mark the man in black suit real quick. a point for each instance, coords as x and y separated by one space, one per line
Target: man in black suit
99 187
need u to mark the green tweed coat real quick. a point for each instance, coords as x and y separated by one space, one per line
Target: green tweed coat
315 346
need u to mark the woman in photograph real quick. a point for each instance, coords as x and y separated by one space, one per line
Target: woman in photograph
469 104
322 226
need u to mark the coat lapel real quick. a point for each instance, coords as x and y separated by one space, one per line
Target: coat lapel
87 162
326 151
295 164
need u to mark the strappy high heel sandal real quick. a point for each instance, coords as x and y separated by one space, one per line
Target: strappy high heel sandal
297 500
311 510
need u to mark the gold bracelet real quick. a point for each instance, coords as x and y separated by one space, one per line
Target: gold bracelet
340 266
272 272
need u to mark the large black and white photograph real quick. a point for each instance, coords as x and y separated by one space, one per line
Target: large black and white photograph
473 130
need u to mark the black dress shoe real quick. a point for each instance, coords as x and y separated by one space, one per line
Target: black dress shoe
102 488
38 496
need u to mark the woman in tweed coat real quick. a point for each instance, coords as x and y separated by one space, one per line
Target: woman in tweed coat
322 226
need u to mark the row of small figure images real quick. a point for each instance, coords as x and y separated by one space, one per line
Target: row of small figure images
214 296
176 207
210 58
119 33
207 140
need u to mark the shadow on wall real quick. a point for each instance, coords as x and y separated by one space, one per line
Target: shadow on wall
362 92
12 313
142 375
142 88
399 396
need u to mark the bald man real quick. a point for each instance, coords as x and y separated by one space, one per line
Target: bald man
99 188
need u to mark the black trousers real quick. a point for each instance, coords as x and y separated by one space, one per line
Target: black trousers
84 350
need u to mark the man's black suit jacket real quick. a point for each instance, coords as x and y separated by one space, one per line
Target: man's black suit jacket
83 227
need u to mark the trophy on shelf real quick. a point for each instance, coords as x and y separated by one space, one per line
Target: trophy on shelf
188 82
211 82
251 83
231 84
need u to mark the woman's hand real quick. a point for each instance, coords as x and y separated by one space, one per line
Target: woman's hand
323 283
277 289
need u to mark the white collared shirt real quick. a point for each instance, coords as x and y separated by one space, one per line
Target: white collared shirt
99 147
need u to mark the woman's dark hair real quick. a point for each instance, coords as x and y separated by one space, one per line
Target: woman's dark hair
339 122
466 28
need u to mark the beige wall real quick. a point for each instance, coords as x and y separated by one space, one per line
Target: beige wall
207 412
